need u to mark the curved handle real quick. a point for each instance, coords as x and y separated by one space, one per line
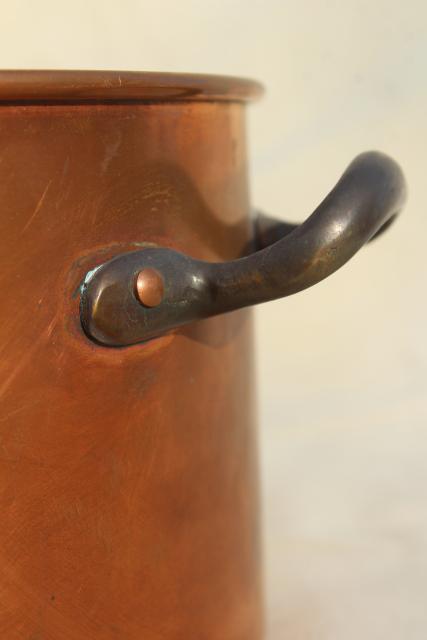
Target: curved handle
143 294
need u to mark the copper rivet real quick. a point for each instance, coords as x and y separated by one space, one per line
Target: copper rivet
149 287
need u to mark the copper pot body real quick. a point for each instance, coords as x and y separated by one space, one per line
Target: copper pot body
128 477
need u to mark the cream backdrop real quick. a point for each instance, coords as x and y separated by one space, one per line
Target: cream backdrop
342 367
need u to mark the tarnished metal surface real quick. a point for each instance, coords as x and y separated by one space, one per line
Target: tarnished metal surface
128 477
364 201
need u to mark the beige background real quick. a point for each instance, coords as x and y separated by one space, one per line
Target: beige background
342 367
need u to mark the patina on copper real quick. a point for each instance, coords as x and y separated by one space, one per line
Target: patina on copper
129 497
128 477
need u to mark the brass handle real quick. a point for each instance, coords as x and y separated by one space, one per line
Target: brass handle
143 294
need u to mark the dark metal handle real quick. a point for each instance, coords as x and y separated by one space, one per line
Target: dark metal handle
177 289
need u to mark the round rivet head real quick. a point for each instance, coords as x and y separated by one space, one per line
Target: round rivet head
150 287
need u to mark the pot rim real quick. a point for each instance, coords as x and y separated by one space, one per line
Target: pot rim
82 87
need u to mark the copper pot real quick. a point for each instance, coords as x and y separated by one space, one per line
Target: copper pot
129 492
